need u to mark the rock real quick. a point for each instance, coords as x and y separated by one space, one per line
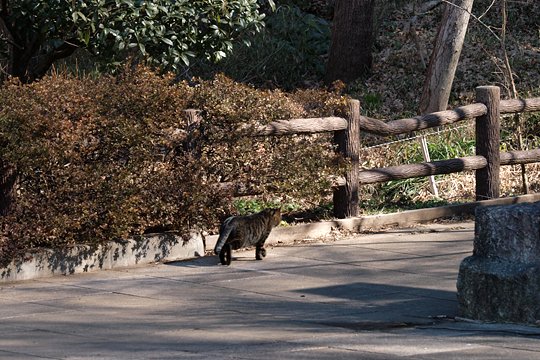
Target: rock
501 281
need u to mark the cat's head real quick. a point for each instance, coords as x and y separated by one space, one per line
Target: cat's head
275 215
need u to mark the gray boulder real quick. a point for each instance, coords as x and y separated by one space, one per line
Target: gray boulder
501 280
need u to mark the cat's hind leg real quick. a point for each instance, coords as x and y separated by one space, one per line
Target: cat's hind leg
225 255
260 252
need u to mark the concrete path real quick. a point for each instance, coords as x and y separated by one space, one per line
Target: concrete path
389 295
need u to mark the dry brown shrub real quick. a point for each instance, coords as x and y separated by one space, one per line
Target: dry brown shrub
107 158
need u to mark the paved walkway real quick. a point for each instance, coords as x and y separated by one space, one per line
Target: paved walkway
388 295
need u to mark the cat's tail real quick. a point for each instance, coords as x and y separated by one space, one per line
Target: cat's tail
224 233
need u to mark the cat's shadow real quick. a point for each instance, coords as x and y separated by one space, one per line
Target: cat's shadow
208 261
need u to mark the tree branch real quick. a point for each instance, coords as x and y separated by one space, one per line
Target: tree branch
477 18
410 27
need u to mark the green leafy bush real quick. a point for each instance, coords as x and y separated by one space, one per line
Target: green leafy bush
289 52
166 34
106 158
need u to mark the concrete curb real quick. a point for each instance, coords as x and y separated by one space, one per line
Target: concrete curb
169 247
78 259
407 218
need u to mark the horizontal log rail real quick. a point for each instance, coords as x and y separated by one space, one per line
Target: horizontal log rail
409 171
302 126
394 127
440 118
519 105
442 167
520 157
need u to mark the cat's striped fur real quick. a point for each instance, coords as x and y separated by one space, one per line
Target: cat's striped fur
242 231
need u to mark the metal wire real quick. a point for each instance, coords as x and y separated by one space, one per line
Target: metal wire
416 137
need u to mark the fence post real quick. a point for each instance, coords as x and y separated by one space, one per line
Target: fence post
488 137
348 142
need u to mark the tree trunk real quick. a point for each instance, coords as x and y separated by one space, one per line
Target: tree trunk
29 67
25 58
445 56
352 40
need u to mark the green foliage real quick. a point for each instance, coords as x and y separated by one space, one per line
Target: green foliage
320 8
401 192
443 149
288 53
371 103
250 206
166 34
106 158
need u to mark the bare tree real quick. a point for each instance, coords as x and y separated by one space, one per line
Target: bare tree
445 56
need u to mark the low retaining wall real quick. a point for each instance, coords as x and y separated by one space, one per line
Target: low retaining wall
77 259
169 247
501 280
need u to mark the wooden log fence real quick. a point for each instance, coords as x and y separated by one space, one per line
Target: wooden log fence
394 127
486 162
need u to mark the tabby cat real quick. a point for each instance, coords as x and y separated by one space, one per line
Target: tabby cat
242 231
